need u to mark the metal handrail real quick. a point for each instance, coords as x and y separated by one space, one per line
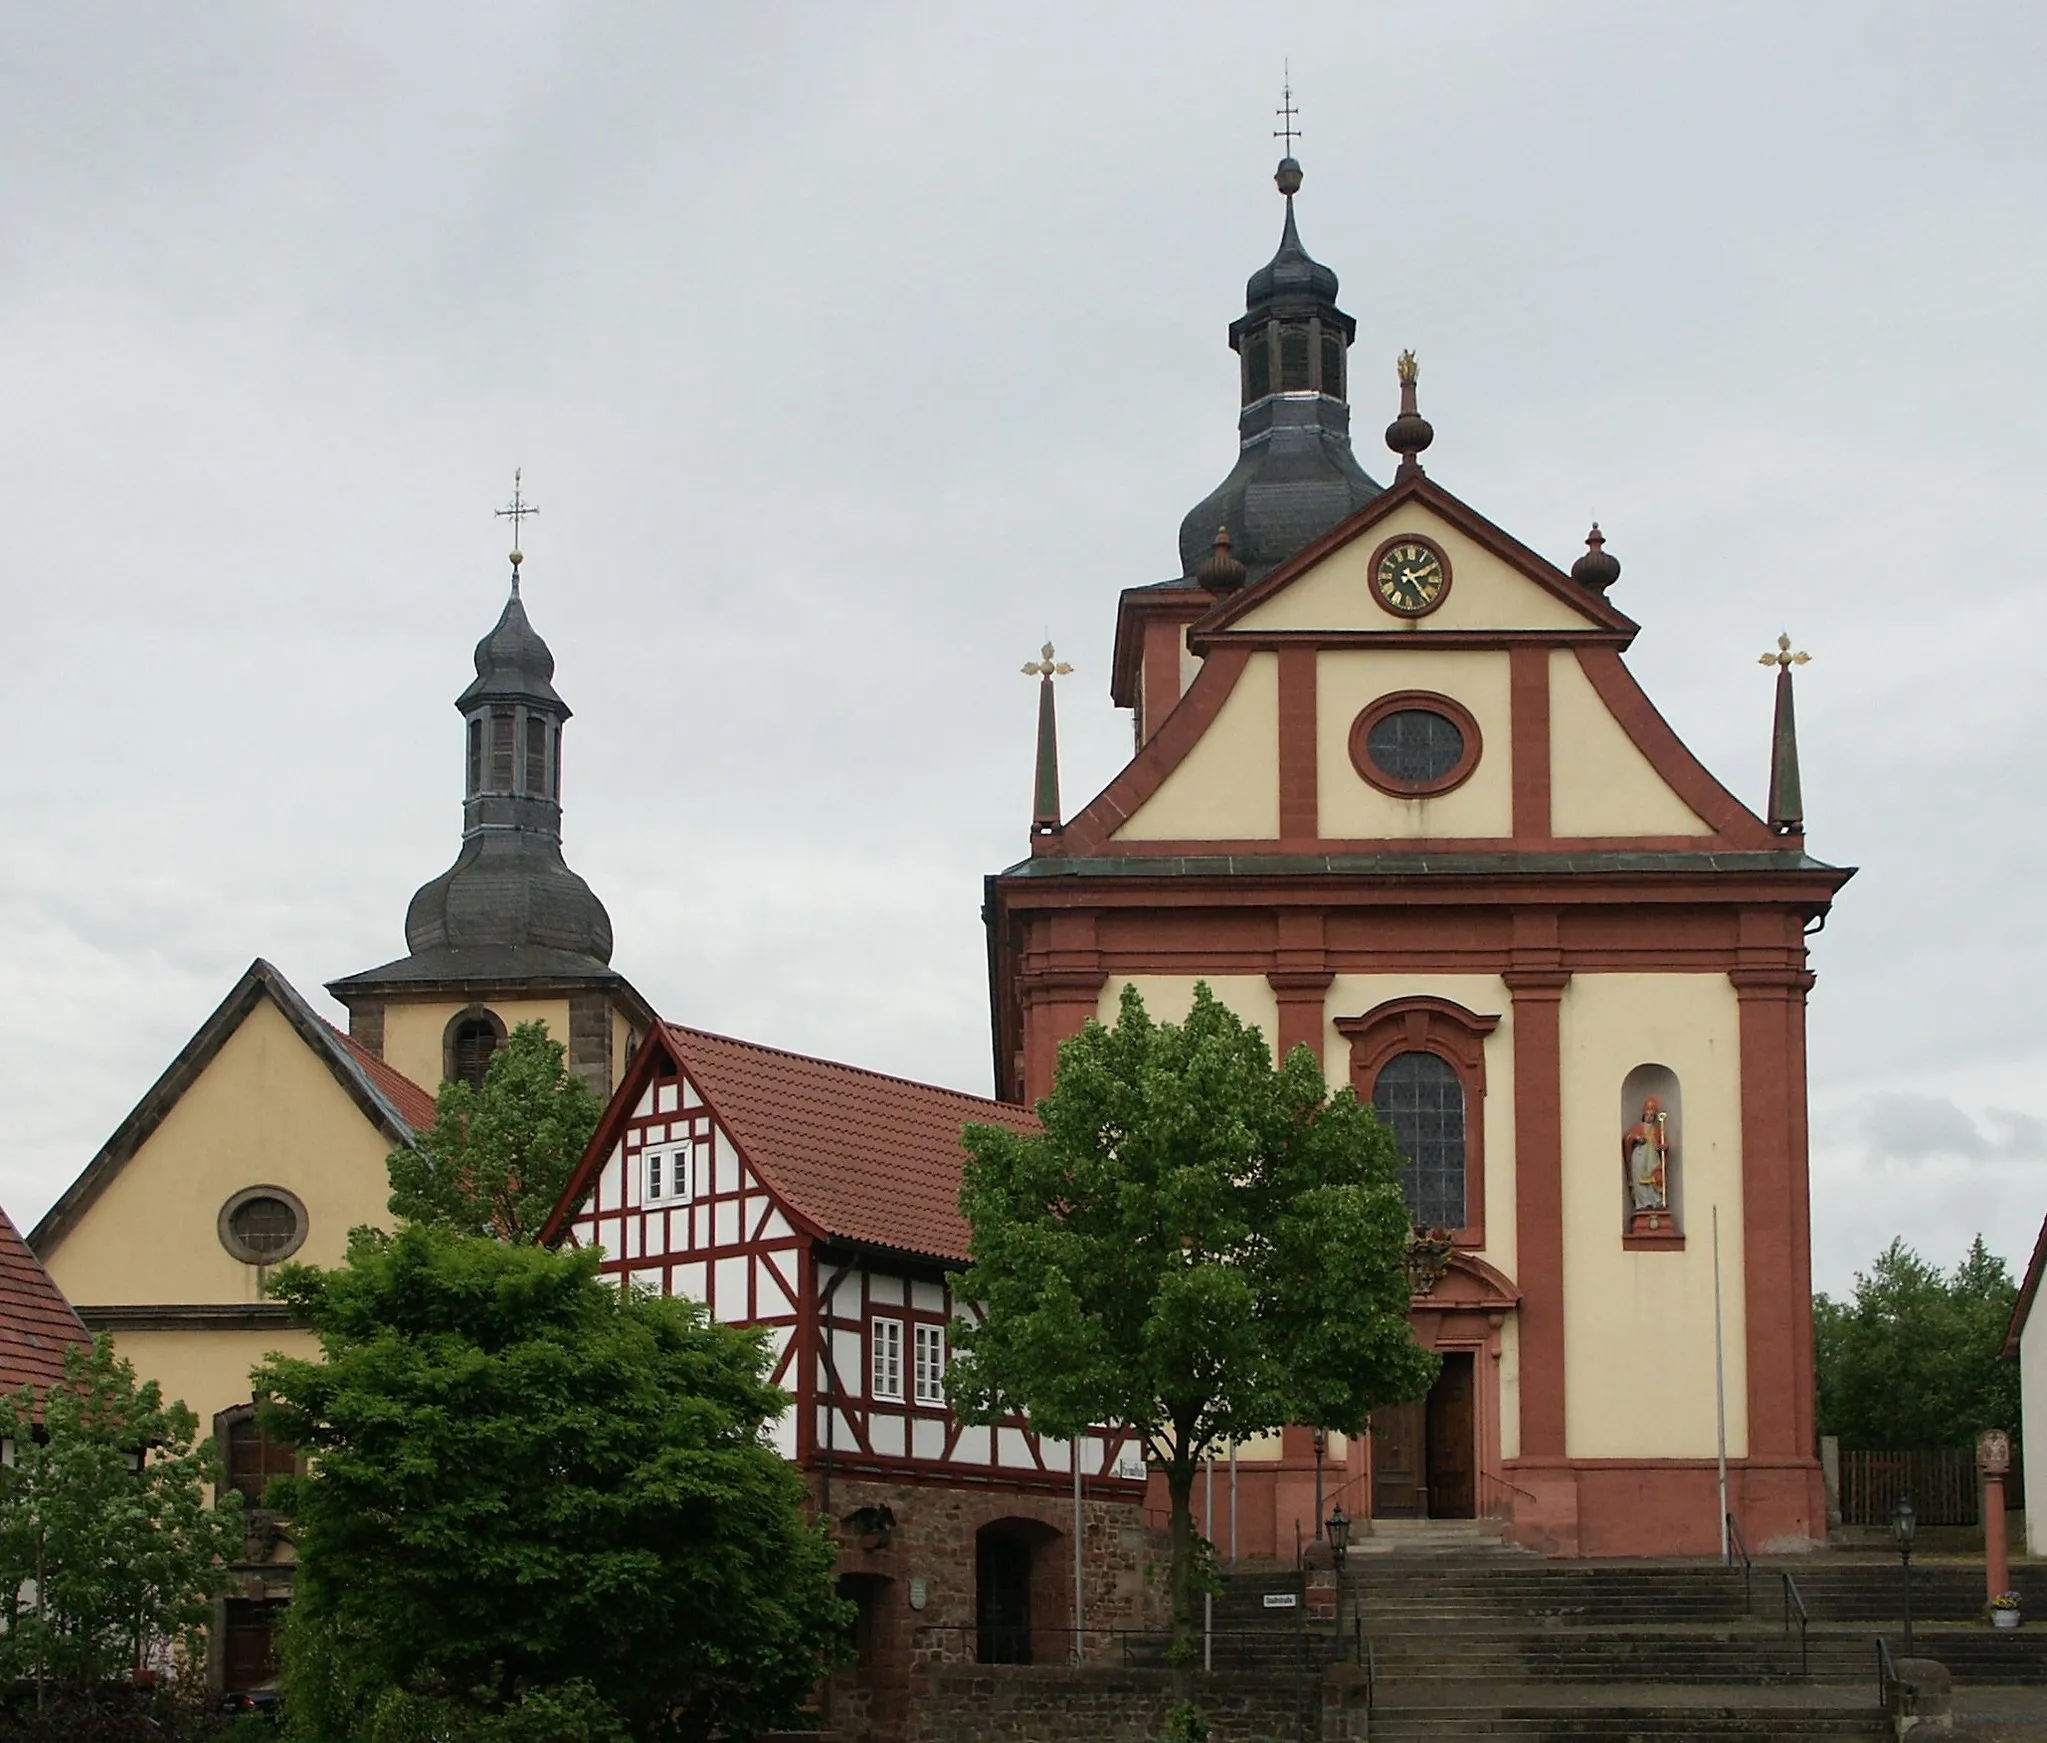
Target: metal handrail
1748 1567
1886 1674
1794 1599
1371 1663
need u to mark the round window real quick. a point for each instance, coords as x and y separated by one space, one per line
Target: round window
1414 744
1415 747
262 1225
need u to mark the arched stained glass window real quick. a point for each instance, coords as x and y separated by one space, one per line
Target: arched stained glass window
1422 1098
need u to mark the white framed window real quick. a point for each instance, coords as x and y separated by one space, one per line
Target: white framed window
929 1372
885 1364
667 1174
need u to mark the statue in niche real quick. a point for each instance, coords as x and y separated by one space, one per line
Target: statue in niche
1645 1151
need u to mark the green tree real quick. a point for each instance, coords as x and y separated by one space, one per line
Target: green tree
497 1159
1911 1361
109 1555
537 1506
1197 1245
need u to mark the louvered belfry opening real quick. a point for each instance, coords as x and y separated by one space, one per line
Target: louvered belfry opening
476 1039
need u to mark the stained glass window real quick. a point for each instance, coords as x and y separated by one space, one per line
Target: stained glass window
1422 1098
1414 747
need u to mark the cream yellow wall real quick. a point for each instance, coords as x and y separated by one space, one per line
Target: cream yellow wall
1347 680
1169 997
1638 1326
413 1034
208 1370
1485 593
1352 995
266 1112
1600 784
1227 786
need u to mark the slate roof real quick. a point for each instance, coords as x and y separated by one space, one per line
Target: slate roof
857 1155
36 1322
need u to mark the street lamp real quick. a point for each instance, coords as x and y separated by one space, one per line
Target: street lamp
1339 1548
1903 1523
1321 1447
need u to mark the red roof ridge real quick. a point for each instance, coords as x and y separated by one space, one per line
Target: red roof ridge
412 1101
987 1101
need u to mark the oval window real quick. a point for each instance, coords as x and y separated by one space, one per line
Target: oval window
1414 744
1415 747
262 1225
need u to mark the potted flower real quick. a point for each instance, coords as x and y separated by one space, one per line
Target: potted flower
2004 1610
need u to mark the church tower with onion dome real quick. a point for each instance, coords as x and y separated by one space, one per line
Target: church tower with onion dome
509 932
1397 798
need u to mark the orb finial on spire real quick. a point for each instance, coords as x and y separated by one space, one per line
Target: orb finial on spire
1288 176
1408 434
516 511
1599 568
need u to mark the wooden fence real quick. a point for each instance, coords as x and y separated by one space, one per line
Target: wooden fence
1943 1486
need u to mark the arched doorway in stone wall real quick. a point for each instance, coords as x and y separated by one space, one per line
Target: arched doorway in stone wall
1016 1610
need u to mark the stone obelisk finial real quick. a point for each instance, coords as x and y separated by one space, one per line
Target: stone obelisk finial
1045 818
1787 802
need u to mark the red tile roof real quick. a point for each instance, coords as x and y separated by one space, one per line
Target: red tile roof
36 1322
863 1156
855 1154
414 1105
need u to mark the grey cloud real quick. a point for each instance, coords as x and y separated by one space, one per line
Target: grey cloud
1904 1126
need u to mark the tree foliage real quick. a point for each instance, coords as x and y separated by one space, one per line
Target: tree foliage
109 1555
1911 1362
497 1159
538 1506
1196 1245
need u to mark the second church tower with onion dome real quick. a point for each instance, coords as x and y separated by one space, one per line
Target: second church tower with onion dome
508 933
1396 796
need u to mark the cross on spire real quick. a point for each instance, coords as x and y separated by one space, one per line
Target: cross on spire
516 511
1047 668
1286 111
1784 656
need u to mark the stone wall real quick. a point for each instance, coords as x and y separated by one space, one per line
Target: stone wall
999 1703
915 1581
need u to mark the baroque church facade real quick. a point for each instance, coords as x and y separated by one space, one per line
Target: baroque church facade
1397 798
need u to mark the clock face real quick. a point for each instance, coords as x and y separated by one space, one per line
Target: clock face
1410 577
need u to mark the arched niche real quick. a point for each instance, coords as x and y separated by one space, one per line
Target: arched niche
1646 1225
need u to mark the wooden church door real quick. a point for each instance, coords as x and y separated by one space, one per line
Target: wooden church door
1425 1453
1450 1424
1397 1462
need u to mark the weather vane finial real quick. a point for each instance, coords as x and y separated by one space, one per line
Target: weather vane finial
515 511
1286 130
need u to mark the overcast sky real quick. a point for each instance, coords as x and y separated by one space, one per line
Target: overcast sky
851 350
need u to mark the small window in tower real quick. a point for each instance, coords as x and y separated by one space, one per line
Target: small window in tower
1257 364
554 762
1332 363
475 756
501 741
1293 359
476 1039
536 756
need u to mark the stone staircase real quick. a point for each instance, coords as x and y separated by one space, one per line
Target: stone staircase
1466 1637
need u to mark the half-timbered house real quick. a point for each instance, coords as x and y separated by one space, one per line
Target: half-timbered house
819 1202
